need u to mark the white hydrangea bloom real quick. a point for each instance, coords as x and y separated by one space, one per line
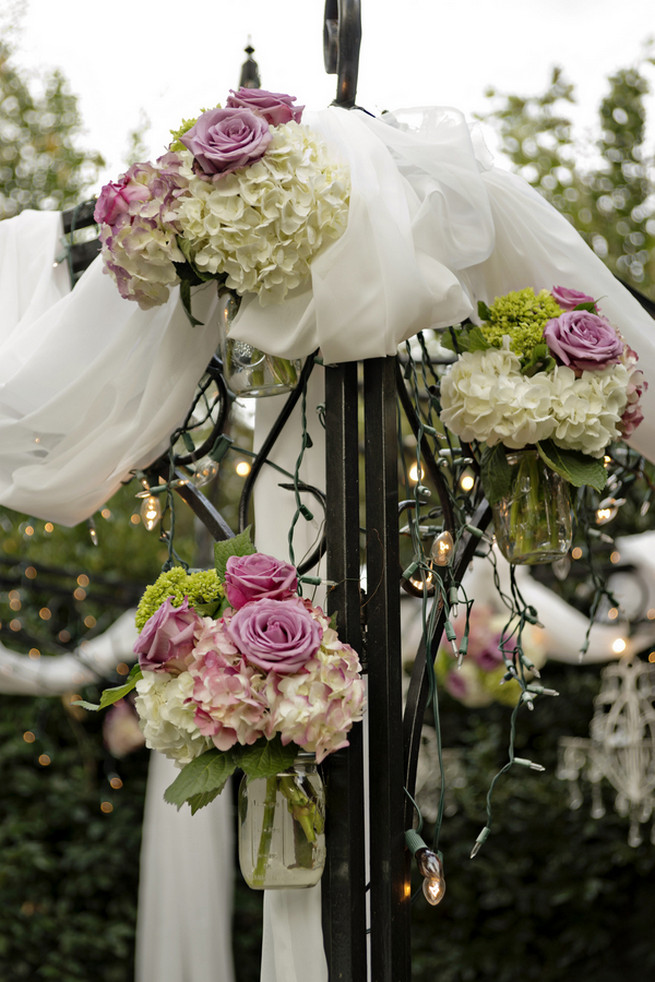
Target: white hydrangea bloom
262 225
167 722
485 397
587 410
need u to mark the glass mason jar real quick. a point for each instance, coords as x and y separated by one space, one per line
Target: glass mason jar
282 827
533 522
247 370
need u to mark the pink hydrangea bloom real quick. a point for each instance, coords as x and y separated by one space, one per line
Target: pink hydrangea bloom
229 707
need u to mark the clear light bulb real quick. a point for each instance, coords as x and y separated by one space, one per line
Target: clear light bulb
205 473
150 511
431 868
442 549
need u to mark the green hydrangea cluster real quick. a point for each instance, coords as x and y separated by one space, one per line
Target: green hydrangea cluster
201 587
183 128
522 315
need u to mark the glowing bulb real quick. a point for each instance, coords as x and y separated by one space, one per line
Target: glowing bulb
442 549
429 865
619 646
467 481
607 512
431 868
150 511
203 475
415 473
243 468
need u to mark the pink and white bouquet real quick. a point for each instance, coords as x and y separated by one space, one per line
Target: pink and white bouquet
477 676
260 678
544 370
246 195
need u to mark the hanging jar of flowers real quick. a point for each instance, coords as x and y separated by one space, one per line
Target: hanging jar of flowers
533 521
247 370
543 385
236 671
282 827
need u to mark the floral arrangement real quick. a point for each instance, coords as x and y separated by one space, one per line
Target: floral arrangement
235 670
477 676
544 370
246 195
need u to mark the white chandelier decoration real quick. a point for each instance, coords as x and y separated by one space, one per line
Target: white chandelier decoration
620 748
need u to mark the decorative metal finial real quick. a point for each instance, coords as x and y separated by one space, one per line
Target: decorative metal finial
342 35
250 70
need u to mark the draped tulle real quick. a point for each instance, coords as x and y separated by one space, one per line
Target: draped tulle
90 385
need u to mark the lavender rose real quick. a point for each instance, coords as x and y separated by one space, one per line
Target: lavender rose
570 299
275 635
222 140
275 107
166 641
583 341
116 197
256 577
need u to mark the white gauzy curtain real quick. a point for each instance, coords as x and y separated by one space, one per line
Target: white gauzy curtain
90 385
292 949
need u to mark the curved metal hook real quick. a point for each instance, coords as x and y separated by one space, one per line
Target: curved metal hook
342 36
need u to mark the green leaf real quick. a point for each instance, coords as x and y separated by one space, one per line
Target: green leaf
185 297
200 800
210 609
575 467
483 311
238 545
115 694
266 757
465 338
495 473
201 779
540 359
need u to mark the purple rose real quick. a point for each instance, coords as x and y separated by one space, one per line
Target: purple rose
275 635
222 140
116 197
275 107
257 577
583 341
570 299
166 641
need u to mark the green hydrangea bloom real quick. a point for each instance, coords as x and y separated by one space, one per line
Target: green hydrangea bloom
200 587
522 315
183 128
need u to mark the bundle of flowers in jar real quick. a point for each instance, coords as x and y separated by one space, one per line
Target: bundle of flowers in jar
245 195
236 670
545 383
487 651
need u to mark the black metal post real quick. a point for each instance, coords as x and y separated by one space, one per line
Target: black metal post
344 897
389 866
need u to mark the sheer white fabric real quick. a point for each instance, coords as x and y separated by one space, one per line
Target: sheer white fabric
90 385
184 928
433 228
292 949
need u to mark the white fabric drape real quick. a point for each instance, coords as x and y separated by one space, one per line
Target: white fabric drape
292 949
433 228
90 385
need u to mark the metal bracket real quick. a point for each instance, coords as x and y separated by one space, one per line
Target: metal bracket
342 36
